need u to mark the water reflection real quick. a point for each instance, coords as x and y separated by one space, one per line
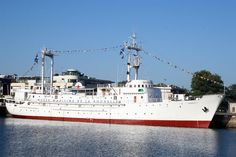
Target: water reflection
22 137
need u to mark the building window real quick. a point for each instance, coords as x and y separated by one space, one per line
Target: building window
233 109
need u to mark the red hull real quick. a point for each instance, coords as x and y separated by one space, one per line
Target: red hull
170 123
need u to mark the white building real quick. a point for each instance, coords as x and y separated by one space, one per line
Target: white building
166 93
28 83
67 79
232 107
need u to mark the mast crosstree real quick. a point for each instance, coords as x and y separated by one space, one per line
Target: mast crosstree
133 56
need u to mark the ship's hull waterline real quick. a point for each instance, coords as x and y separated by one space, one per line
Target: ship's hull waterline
168 123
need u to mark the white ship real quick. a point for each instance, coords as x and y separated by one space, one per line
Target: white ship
135 102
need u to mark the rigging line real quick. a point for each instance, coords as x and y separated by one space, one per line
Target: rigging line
104 49
181 69
29 70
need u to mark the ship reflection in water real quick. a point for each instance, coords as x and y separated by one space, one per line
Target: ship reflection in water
24 137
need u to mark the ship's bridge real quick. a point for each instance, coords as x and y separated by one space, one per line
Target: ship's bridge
139 84
141 91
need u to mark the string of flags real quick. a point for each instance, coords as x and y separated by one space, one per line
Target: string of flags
105 49
36 59
122 54
181 69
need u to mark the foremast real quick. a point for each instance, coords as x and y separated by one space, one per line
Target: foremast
133 57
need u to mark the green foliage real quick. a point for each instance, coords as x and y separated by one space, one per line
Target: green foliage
179 90
203 82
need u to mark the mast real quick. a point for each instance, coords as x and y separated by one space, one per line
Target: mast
43 69
133 61
128 67
51 77
47 53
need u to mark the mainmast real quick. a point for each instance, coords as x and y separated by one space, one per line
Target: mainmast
133 60
47 53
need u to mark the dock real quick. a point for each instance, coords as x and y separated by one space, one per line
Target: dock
225 119
3 109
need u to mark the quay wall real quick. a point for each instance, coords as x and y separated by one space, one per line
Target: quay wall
232 122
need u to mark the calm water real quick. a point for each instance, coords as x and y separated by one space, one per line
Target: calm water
20 137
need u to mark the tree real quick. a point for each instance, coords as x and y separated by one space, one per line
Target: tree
203 82
179 90
122 83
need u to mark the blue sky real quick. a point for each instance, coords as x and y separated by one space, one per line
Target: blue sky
193 34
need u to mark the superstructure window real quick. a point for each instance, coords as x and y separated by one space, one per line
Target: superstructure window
72 81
